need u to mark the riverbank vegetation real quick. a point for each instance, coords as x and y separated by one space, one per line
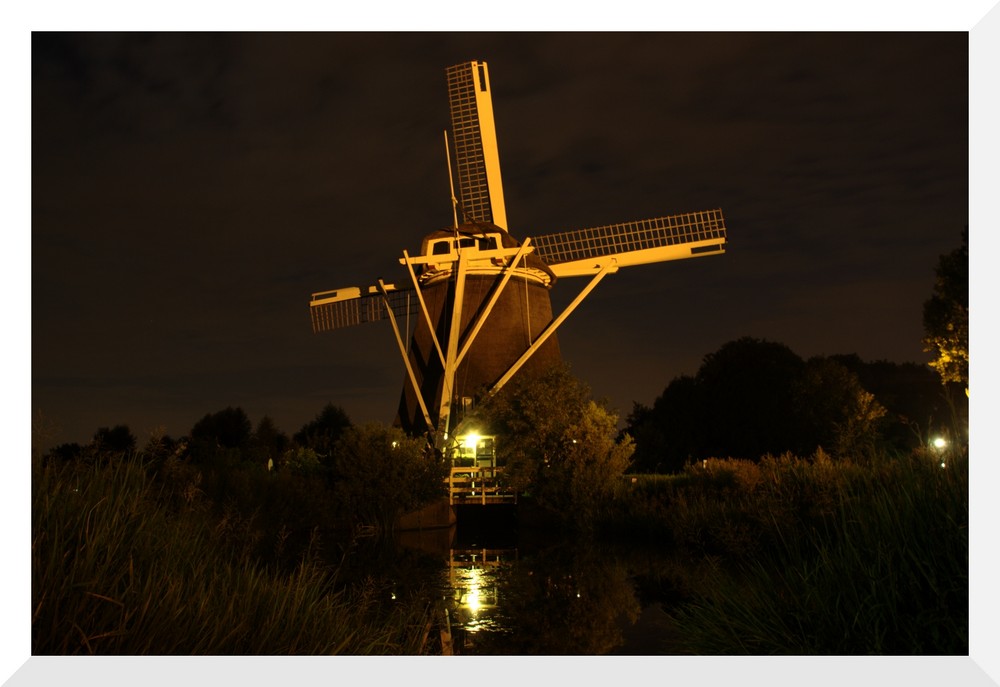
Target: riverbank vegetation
229 541
812 556
121 565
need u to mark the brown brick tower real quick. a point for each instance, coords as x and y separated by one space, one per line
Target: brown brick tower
514 322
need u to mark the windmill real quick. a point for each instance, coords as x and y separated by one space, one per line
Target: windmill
476 310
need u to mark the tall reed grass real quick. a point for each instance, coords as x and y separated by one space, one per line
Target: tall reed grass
117 570
848 561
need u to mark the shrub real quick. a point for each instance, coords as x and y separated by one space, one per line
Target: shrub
559 444
380 473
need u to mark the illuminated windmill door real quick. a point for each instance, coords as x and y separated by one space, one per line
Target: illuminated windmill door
478 298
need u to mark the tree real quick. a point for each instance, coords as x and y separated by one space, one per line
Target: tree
221 437
667 434
911 395
381 473
586 474
323 432
946 317
835 411
754 397
65 452
746 393
268 442
557 442
532 417
118 439
228 428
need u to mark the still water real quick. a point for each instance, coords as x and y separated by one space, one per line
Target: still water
507 590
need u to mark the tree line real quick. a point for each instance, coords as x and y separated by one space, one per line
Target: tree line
754 397
332 475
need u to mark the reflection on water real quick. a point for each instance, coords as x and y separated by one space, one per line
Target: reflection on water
564 600
549 596
473 583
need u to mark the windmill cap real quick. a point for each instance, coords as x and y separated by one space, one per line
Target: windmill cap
481 229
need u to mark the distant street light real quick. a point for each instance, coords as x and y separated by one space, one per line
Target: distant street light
939 444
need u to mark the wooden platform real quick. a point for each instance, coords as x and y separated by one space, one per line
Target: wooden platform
477 486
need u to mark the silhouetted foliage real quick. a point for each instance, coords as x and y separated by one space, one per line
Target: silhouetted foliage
946 317
65 452
221 436
268 443
666 435
753 398
159 447
323 432
106 443
834 410
380 473
229 428
748 389
911 394
117 439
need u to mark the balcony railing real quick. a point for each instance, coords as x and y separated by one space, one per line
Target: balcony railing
477 485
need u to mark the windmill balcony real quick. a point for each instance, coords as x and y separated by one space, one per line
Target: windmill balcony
474 477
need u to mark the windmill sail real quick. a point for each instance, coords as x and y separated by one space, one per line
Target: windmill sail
331 310
585 251
476 153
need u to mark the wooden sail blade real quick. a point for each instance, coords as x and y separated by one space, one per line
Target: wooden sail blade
585 251
476 155
331 310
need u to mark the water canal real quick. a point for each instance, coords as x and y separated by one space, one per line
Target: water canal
514 590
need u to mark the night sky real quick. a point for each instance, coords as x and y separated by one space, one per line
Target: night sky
190 191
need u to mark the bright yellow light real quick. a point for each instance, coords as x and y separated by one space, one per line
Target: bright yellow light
472 600
939 442
471 441
472 597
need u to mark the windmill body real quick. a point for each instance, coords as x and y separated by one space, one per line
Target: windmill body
509 320
478 296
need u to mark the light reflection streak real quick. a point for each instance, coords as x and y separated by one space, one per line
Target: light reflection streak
474 587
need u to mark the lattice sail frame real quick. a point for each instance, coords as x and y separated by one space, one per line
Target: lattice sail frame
585 251
330 310
473 130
